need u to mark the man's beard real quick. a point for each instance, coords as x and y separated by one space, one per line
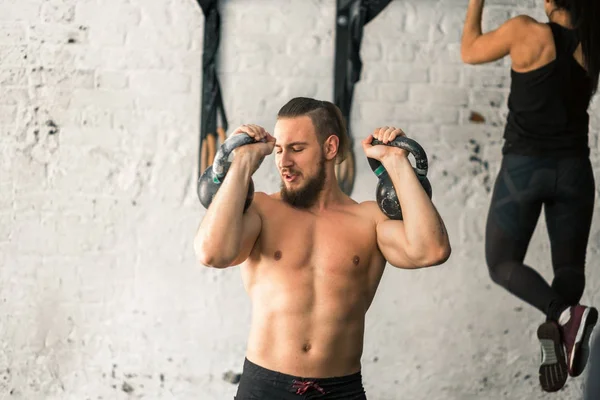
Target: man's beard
307 195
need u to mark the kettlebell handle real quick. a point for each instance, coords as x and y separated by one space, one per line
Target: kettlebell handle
386 195
409 145
230 144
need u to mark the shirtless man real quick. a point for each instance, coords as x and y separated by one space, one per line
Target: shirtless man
311 257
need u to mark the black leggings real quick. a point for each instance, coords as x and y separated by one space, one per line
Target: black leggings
566 188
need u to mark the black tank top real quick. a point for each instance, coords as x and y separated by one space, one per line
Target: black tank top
548 106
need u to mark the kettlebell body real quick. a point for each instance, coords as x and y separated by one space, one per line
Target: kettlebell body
211 179
208 185
386 196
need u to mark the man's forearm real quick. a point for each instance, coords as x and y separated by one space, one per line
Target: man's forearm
423 225
220 232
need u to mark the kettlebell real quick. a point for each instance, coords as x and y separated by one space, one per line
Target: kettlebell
211 179
386 195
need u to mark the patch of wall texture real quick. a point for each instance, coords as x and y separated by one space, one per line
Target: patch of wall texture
100 293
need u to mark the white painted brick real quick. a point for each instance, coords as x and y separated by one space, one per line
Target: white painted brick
392 92
365 92
92 58
438 53
445 74
8 115
96 117
395 72
494 17
70 79
77 236
521 3
33 235
449 25
391 23
13 77
30 175
87 12
159 82
19 10
55 96
12 33
13 56
112 33
47 33
489 97
116 58
442 95
62 116
6 192
418 18
259 19
58 12
301 87
257 63
421 131
90 134
285 66
104 99
402 52
451 54
371 52
112 80
14 96
262 43
58 55
413 112
377 113
150 36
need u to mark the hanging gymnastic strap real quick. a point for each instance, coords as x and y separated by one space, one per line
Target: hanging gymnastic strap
212 100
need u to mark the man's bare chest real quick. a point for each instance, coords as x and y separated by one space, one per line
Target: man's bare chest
331 245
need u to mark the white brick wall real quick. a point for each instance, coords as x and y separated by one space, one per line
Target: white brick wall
100 294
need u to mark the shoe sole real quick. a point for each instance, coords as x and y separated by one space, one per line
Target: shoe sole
581 350
553 370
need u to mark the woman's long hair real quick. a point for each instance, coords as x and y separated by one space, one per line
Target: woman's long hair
585 18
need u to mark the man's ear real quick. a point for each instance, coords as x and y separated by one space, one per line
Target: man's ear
331 147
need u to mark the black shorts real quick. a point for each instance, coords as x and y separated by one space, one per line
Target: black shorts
258 383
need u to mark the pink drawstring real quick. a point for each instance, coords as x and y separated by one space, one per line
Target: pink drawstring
303 386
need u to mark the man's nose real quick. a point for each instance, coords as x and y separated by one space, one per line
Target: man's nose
286 159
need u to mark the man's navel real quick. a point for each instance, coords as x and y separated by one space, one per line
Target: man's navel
306 348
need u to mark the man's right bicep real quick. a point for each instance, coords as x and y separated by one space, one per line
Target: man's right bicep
251 227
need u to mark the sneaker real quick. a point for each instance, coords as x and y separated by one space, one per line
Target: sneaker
553 369
576 337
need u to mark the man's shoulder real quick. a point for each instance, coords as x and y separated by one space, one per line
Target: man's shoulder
370 209
267 197
264 201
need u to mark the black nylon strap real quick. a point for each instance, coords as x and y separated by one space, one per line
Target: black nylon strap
212 100
351 17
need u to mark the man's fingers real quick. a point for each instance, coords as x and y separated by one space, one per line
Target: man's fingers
255 131
388 135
